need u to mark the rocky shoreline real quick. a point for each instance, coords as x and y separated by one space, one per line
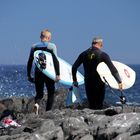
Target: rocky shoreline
74 123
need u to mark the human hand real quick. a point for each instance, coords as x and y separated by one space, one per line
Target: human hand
57 78
120 86
75 83
31 79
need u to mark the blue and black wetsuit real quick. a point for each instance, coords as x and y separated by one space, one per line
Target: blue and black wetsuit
95 88
40 78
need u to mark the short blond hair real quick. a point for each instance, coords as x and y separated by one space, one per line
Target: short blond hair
45 33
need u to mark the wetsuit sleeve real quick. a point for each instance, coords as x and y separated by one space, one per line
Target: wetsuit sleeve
55 62
52 47
75 66
30 61
112 68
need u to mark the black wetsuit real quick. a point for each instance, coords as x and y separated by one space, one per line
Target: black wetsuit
41 79
95 88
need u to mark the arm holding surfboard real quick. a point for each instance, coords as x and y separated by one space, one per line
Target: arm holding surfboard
127 74
31 58
75 66
56 65
113 70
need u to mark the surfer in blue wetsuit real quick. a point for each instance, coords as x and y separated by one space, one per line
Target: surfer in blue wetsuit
40 79
95 88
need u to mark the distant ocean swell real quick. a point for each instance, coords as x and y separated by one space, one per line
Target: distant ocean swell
13 82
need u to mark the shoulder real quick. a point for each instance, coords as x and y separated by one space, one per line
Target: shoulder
83 54
52 45
86 51
105 55
36 44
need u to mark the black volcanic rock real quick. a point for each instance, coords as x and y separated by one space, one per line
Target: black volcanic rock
74 123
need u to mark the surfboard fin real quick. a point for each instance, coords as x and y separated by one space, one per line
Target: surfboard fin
73 96
69 97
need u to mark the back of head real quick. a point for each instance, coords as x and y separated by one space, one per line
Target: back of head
97 40
45 34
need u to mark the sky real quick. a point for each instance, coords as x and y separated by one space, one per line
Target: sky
73 23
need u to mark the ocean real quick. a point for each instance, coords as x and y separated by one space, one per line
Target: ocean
13 82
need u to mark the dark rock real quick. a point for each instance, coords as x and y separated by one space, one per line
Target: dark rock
76 122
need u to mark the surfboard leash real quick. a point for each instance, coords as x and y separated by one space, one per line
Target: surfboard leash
122 98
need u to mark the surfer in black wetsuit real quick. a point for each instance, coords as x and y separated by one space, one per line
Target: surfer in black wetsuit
40 78
95 88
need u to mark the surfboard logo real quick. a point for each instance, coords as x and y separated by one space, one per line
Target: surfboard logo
127 73
41 60
90 55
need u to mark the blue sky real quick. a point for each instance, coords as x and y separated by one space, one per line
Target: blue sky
73 24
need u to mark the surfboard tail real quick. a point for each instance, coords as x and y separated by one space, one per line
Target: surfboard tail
74 96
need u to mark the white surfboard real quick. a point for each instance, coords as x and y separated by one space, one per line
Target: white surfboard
127 74
65 69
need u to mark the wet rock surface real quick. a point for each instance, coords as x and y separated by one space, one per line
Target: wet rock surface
68 123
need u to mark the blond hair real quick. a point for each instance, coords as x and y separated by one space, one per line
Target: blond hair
45 33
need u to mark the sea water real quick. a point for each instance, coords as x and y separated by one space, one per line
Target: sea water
13 82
